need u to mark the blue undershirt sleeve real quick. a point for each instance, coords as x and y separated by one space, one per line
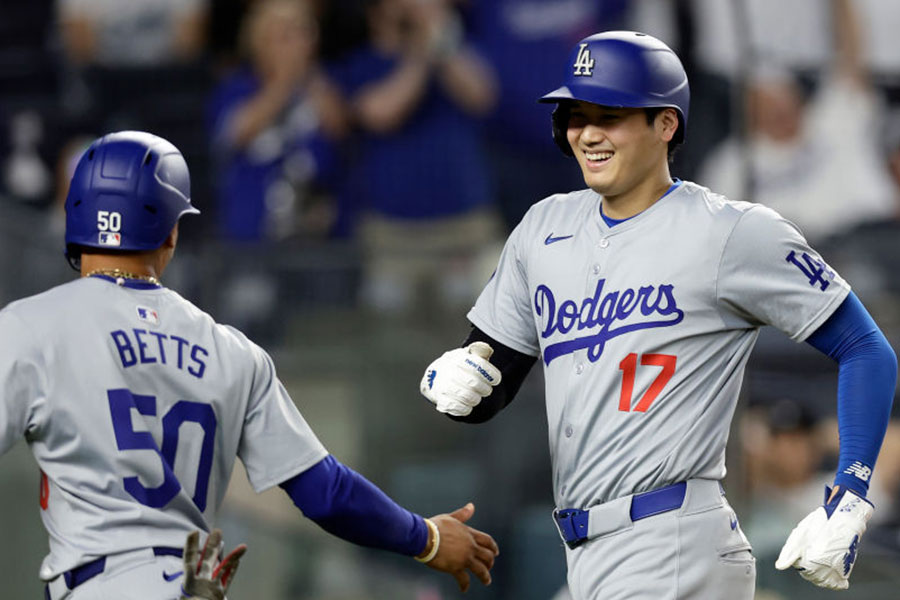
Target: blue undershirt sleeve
346 504
867 376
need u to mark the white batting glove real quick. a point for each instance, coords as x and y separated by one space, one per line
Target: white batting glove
205 578
823 546
457 381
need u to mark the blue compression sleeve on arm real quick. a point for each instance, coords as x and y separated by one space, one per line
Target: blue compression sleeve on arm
867 376
346 504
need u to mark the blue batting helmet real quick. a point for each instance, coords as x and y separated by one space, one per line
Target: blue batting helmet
128 191
621 69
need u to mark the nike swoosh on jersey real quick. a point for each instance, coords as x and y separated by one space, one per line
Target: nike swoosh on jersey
550 239
173 576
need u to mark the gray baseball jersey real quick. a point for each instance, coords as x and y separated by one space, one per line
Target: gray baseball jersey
135 403
645 328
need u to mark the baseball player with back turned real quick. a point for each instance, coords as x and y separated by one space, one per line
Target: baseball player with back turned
135 404
643 296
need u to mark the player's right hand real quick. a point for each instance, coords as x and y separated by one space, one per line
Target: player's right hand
205 578
463 548
457 381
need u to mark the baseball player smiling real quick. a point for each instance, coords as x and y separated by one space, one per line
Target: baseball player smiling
642 297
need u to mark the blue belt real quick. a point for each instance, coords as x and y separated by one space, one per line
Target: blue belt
89 570
573 522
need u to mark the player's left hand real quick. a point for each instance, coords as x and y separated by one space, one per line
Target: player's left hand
205 577
823 546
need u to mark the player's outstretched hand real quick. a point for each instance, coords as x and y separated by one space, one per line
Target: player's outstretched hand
823 546
457 381
205 577
461 548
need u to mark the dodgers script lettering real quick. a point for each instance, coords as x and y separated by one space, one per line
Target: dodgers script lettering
602 312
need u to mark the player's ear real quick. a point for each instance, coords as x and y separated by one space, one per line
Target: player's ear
163 255
666 124
172 239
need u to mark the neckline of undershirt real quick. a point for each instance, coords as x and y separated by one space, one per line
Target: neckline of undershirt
610 222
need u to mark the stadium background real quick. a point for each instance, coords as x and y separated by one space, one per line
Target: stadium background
353 362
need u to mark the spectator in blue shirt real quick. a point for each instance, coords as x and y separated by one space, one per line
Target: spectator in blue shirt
418 179
274 126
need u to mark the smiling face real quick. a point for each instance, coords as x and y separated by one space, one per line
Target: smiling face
618 150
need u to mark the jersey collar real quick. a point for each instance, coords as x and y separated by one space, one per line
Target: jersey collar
612 223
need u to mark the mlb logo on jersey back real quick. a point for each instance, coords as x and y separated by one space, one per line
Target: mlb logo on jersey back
148 315
108 238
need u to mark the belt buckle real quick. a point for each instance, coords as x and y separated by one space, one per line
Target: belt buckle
566 516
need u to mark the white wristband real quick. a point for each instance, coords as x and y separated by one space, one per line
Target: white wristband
434 546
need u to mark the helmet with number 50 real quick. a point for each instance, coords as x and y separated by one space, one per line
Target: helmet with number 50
623 69
128 192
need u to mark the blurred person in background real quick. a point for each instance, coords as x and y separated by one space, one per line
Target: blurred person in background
780 490
870 250
719 41
274 125
418 179
340 23
794 35
115 33
810 159
879 22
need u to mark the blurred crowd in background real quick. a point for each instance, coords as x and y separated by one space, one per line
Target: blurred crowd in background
358 164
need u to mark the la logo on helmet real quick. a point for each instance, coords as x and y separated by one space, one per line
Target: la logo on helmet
584 64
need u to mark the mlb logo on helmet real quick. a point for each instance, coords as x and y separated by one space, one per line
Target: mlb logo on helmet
108 238
148 315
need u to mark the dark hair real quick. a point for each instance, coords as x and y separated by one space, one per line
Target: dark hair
651 114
